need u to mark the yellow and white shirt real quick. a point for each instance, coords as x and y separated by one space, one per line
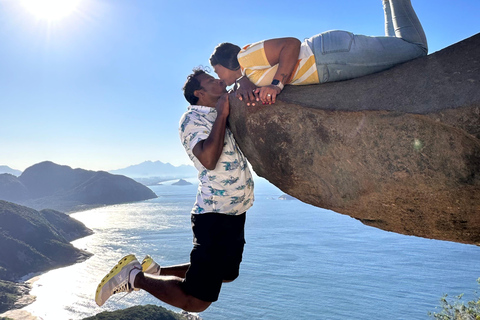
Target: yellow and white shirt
255 66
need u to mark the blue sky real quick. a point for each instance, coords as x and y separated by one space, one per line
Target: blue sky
100 89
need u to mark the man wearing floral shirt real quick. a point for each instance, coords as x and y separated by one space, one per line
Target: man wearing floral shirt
224 195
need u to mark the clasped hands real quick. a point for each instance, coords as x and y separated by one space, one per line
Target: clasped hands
247 91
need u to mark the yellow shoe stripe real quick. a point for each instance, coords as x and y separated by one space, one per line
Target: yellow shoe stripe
118 267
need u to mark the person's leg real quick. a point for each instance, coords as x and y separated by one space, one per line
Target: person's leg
342 55
126 276
149 266
215 258
389 29
406 23
178 270
169 289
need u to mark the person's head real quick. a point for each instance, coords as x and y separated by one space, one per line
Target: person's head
203 89
225 63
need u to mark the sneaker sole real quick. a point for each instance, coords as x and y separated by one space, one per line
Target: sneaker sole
115 270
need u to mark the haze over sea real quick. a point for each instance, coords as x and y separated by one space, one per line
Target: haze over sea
300 262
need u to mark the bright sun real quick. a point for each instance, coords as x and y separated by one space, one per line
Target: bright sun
51 9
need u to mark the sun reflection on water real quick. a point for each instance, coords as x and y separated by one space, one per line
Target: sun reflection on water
150 227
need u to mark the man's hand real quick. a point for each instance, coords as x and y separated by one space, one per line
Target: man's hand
268 94
245 91
223 106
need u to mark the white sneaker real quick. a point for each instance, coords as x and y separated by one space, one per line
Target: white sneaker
118 279
149 266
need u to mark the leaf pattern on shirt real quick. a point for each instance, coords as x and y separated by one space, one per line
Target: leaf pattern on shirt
244 166
231 180
235 200
184 123
230 166
198 209
193 136
217 192
209 202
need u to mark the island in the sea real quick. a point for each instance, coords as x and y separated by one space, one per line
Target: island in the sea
181 182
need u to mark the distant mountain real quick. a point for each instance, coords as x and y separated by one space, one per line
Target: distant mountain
53 186
12 189
6 169
158 169
36 241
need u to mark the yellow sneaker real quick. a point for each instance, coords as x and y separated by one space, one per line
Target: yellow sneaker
118 279
149 266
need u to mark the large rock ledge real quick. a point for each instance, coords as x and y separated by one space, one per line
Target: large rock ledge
398 150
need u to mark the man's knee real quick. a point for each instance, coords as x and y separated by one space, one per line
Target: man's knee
196 305
231 277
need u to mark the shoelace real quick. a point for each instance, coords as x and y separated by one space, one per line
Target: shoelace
123 287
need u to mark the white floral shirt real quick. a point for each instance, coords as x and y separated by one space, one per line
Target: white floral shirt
227 189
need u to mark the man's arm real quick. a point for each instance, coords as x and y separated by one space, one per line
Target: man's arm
245 89
284 52
208 151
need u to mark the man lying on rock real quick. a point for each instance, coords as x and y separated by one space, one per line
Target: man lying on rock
260 70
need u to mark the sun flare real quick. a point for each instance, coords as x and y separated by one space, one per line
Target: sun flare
51 9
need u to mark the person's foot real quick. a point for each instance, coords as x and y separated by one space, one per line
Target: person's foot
149 266
119 279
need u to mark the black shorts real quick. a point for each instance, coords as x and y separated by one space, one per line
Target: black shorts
218 241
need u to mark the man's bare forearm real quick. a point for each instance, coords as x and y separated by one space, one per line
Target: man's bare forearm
208 151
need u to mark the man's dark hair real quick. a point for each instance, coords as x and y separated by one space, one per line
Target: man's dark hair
225 54
192 84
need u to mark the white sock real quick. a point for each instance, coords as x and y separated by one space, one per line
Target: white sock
132 275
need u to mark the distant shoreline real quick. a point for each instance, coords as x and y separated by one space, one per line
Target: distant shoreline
24 286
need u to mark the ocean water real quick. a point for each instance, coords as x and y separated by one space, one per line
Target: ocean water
300 262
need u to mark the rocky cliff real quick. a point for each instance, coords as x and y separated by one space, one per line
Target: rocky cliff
398 150
53 186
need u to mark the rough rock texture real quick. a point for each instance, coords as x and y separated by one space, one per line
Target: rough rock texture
398 150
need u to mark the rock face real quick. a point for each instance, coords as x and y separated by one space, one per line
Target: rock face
49 185
398 150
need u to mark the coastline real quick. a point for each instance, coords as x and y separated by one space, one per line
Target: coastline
24 286
23 300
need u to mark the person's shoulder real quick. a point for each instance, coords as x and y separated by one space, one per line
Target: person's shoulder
187 118
190 112
252 46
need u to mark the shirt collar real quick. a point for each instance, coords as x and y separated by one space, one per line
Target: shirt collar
202 109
